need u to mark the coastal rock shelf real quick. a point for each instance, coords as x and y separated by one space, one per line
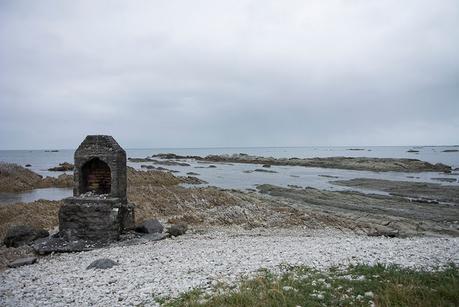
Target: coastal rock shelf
350 163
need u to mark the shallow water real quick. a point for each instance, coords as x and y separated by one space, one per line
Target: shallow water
30 196
243 176
236 176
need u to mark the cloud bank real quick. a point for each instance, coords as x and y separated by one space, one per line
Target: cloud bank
229 73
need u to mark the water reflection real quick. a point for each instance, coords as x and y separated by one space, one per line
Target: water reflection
30 196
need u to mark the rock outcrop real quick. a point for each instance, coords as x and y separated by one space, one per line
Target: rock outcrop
351 163
63 167
15 178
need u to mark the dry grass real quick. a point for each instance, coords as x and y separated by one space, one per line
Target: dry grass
212 206
15 178
40 213
151 177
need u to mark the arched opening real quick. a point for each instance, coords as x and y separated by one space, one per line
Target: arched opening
96 177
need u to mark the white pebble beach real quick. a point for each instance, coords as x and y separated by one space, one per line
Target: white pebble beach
172 266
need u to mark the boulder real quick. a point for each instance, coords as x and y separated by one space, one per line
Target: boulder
22 261
150 226
19 235
177 229
102 264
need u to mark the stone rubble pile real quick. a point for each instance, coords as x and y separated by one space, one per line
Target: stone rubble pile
93 195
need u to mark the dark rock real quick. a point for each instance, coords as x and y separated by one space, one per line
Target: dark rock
413 151
169 156
267 165
445 179
23 234
63 167
328 176
150 226
192 174
424 200
355 149
28 165
22 261
158 162
451 150
102 264
264 170
177 229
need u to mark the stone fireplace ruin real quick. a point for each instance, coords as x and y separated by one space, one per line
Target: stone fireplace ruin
96 177
98 209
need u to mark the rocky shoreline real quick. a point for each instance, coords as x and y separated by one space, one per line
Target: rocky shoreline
233 233
15 178
350 163
159 194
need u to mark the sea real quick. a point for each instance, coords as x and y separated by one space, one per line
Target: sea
240 176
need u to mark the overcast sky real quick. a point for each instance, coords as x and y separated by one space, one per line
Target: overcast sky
229 73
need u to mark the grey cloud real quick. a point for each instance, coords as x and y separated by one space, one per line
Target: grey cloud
236 73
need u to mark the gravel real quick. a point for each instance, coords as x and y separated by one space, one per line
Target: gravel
169 267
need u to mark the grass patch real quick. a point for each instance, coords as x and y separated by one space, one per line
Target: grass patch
360 285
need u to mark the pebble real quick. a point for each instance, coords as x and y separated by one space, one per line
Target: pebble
170 267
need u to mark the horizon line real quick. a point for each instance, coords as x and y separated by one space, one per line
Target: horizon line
236 147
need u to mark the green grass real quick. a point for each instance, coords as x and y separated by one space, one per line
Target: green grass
360 285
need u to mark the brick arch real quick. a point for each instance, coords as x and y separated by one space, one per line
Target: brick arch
96 175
